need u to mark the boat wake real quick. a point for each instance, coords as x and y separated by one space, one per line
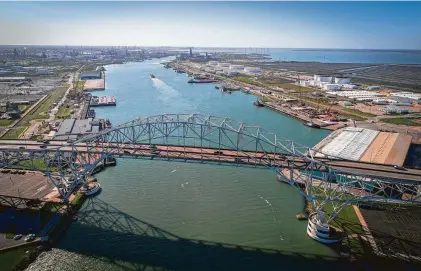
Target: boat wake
170 96
271 207
166 91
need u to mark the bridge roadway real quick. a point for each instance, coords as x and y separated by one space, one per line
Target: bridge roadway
226 156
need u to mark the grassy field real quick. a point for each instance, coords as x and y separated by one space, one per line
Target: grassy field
296 88
63 112
402 121
5 122
79 86
358 113
14 133
9 259
39 164
245 79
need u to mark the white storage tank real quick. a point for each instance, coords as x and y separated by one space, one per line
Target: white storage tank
224 65
322 78
252 69
342 80
237 67
230 72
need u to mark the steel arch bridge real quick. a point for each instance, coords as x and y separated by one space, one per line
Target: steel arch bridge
217 140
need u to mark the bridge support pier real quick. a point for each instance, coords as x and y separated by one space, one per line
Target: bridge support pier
320 231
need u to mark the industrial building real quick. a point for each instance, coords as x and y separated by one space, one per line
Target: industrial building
13 79
252 69
359 95
358 144
405 96
90 75
328 82
236 67
393 109
72 129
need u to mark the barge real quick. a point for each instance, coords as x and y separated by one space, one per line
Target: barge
103 101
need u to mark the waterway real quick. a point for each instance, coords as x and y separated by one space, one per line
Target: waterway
154 215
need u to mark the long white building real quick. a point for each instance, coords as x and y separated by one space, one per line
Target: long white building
359 95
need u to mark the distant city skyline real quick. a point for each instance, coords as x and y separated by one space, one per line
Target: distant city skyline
317 25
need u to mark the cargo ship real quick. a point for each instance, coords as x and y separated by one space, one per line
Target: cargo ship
198 81
103 101
152 76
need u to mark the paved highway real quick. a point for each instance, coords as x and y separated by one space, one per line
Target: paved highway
226 156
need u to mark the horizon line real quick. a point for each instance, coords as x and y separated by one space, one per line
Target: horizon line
214 47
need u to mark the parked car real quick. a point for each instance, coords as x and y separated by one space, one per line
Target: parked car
30 237
399 167
17 237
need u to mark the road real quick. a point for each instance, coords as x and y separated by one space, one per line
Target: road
226 156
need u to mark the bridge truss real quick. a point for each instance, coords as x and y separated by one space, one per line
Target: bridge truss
218 140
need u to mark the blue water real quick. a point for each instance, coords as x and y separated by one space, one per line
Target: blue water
332 55
156 215
347 56
139 96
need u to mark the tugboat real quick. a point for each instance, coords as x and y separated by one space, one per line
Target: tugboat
259 103
152 76
108 124
312 124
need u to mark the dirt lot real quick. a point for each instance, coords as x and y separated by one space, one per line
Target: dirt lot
396 231
376 109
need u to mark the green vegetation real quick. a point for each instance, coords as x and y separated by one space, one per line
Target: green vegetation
63 112
6 122
296 88
402 121
14 133
79 86
42 111
246 79
10 259
358 113
266 99
23 107
38 164
347 221
274 81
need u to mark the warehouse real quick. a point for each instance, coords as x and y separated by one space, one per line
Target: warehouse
73 128
358 144
90 75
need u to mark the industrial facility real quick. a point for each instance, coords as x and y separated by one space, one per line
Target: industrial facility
72 129
358 144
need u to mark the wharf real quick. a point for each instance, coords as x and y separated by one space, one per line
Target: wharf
85 107
302 117
95 84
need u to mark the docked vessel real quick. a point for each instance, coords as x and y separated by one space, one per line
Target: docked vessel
201 81
91 189
152 76
312 124
230 88
259 103
103 101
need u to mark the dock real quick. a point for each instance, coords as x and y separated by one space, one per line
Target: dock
95 84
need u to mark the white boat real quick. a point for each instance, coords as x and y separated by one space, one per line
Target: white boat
93 190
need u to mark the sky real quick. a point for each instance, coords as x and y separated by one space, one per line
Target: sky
356 25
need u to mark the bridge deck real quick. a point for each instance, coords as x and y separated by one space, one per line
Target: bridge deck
226 156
